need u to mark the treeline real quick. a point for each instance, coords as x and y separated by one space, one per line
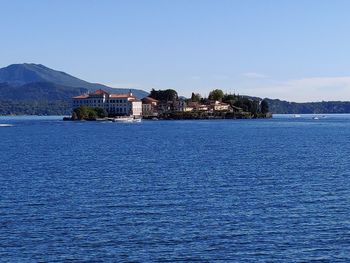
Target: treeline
164 95
253 106
247 104
35 107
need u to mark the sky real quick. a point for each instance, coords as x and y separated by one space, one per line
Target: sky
293 50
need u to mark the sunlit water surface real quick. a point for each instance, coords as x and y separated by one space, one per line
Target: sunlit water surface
157 191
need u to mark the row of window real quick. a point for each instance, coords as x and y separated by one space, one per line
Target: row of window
111 101
98 101
117 101
87 102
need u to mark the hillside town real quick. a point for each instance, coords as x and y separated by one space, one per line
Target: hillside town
166 104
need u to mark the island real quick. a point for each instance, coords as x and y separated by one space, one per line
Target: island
166 105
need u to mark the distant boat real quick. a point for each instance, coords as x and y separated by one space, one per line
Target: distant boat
5 125
297 116
126 119
315 118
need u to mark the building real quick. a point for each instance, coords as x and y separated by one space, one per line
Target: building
149 107
196 106
219 106
114 104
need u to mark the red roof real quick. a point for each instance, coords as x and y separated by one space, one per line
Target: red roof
83 96
126 95
99 92
149 99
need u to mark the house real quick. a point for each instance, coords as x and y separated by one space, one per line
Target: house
197 106
182 105
149 107
165 106
219 106
115 104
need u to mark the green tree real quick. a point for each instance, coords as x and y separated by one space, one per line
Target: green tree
196 97
264 106
216 94
87 113
92 115
164 95
82 112
101 113
229 97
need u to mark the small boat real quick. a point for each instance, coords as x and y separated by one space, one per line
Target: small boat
5 125
315 118
126 119
123 119
297 116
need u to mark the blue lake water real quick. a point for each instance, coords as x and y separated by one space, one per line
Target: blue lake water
166 191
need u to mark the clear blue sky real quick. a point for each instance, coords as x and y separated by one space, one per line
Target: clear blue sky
295 50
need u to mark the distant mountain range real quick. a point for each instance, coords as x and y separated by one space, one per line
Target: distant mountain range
31 77
286 107
25 85
36 89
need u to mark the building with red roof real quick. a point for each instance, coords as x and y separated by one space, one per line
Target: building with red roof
115 104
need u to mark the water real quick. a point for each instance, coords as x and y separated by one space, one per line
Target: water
165 191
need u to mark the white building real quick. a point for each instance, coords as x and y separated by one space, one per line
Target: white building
149 107
114 104
219 106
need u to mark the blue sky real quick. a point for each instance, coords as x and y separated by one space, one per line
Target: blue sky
294 50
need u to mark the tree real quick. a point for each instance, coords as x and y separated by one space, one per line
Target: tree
164 95
84 112
92 115
216 94
74 116
264 106
101 113
196 97
229 97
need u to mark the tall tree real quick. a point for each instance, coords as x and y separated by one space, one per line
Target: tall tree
164 95
264 106
196 97
216 94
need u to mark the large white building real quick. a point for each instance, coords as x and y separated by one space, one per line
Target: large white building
114 104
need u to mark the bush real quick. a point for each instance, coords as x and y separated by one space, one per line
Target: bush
88 113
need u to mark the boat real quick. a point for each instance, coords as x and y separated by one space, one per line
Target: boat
297 116
5 125
315 118
126 119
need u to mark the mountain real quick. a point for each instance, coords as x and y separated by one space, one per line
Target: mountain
38 90
21 74
286 107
